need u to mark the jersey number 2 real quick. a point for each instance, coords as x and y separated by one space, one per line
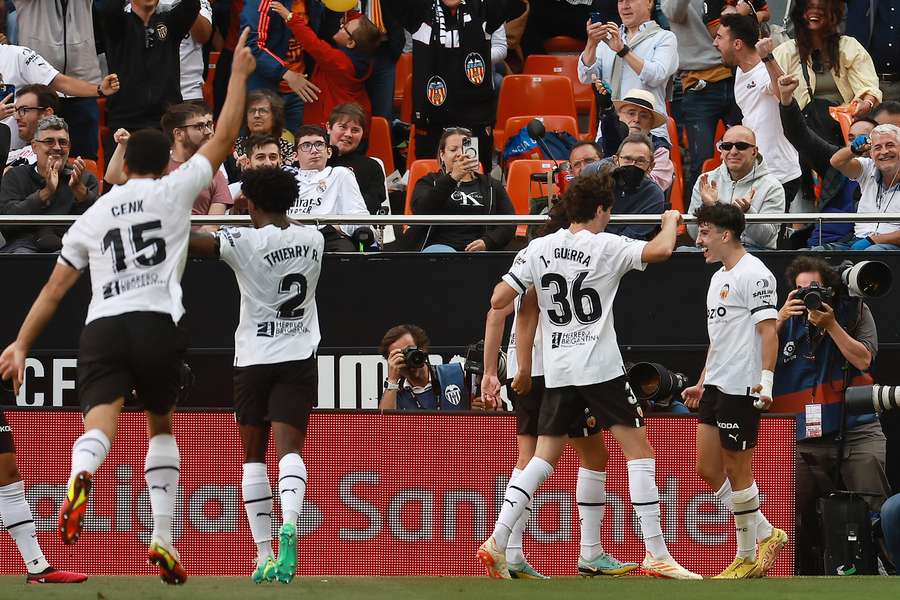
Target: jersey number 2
580 297
290 308
113 239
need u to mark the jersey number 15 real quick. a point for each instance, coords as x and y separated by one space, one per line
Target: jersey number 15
113 240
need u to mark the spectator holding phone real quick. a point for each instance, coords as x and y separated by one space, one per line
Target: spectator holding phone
637 55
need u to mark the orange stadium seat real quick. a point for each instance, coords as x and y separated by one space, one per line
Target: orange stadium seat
676 197
402 70
532 95
551 123
566 65
380 145
406 106
208 95
563 43
521 188
417 170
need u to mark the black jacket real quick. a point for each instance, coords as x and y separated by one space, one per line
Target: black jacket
432 196
146 60
369 177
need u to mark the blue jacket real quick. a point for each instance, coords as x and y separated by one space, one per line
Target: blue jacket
449 379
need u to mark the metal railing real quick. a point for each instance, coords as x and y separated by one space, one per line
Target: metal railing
34 220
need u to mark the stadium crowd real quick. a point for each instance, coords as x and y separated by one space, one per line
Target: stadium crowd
421 106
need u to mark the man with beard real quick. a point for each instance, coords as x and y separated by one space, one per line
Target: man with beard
636 193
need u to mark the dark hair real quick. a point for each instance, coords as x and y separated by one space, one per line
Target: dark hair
558 220
176 116
724 216
891 107
593 145
367 37
636 138
307 130
275 103
258 141
866 118
398 331
834 13
812 264
587 193
147 152
442 143
202 105
350 110
742 27
271 189
46 97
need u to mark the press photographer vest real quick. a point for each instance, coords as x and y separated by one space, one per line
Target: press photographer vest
800 380
447 380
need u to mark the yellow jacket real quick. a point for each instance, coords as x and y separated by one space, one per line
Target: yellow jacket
857 75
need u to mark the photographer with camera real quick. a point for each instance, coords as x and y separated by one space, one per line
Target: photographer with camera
827 341
412 383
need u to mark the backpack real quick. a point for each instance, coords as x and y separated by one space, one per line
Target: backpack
522 145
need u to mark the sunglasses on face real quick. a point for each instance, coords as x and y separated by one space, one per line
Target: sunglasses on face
726 146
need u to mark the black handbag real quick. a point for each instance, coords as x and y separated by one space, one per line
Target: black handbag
817 116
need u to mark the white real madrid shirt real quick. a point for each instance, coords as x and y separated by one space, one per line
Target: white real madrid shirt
21 66
537 360
331 191
577 276
277 271
134 240
737 300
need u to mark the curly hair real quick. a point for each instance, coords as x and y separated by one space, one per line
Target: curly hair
398 331
271 189
812 264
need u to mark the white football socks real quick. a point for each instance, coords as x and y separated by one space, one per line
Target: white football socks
645 501
291 486
257 494
763 527
19 522
590 496
517 497
746 507
89 452
161 470
514 552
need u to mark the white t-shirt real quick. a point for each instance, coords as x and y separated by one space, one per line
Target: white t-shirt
753 94
134 240
25 153
21 66
191 54
737 300
577 276
875 199
537 360
331 191
277 271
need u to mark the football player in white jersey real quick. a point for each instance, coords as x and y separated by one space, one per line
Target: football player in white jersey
277 265
736 383
134 242
584 436
576 274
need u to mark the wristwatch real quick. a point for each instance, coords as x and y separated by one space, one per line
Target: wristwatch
768 58
100 93
391 386
625 50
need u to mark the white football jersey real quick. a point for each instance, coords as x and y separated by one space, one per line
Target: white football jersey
737 300
577 276
134 240
537 361
331 191
277 271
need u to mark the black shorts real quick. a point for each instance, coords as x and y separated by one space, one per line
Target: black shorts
136 356
734 416
6 441
528 410
608 403
283 392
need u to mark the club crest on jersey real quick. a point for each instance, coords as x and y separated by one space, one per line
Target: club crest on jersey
323 185
162 32
762 283
475 68
723 293
453 394
436 91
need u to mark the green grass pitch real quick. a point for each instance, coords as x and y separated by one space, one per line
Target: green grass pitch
426 588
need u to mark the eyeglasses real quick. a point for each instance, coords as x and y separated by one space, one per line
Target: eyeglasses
21 111
310 146
50 142
347 31
640 161
726 146
577 164
199 127
261 111
458 131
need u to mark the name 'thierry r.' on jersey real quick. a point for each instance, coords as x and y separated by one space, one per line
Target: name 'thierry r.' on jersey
134 240
577 277
277 272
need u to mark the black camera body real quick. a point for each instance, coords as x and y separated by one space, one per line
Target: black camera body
415 358
815 295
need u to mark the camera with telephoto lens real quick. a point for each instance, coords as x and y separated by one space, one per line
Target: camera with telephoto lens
866 279
866 399
654 383
414 358
814 295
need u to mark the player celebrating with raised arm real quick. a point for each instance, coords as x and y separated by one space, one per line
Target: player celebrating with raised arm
576 274
134 242
584 436
736 383
277 265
